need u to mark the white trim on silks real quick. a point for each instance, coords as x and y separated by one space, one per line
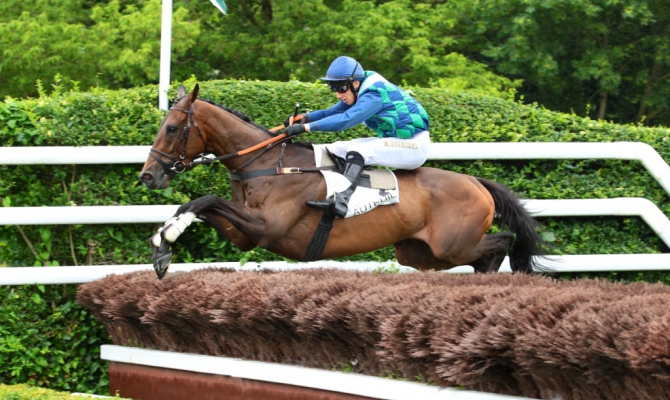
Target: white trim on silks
371 80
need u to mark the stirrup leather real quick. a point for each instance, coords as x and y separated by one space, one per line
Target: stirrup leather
338 203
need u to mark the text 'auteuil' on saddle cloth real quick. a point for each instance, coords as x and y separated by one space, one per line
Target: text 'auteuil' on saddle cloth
382 188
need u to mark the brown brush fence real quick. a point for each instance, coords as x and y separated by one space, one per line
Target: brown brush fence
510 334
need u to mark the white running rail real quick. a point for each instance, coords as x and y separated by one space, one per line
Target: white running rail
641 152
347 383
633 206
331 381
635 151
158 214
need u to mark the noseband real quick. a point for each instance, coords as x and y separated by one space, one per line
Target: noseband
177 166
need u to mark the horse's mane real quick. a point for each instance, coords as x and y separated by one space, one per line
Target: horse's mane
244 117
239 114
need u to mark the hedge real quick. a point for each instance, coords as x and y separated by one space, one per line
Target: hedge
26 392
520 335
47 340
130 117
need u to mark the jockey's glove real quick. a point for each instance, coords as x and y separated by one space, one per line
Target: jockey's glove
294 130
300 118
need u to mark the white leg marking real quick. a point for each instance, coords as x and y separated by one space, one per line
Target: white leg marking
177 226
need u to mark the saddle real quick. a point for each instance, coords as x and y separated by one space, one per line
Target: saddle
375 187
370 178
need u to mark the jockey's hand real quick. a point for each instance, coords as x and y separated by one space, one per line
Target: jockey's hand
294 130
295 119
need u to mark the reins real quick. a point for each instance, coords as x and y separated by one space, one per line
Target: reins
178 166
268 144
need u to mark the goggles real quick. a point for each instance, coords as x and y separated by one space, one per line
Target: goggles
339 87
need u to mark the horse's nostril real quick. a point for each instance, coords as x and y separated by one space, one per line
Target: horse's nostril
147 177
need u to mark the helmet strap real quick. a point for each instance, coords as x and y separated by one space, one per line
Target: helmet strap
351 83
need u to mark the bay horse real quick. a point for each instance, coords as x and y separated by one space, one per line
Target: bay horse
440 223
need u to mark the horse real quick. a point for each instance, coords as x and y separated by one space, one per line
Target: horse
441 222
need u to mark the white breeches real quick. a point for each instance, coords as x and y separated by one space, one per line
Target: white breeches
387 152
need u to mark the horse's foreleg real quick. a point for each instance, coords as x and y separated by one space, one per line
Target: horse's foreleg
212 210
165 236
226 229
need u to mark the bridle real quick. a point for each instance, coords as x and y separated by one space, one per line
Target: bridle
177 166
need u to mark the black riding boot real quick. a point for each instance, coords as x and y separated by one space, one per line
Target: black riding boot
337 204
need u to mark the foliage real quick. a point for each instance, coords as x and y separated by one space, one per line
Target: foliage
462 74
598 58
47 340
26 392
54 331
100 44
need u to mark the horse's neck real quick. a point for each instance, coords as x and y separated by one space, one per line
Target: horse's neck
228 134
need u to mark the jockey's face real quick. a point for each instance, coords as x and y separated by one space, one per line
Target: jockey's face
347 96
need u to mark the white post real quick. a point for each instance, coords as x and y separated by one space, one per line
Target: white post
166 50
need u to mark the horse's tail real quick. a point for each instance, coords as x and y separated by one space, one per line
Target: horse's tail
510 213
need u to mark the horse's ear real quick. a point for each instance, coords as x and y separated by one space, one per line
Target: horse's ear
194 93
181 92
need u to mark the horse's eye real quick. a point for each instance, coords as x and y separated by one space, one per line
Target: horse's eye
171 129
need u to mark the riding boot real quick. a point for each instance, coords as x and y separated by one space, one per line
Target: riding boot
337 204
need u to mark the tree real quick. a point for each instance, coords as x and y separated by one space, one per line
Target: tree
297 39
609 59
110 46
577 55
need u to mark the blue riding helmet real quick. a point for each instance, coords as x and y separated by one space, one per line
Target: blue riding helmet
344 69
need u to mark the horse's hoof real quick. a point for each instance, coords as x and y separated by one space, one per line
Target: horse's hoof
161 264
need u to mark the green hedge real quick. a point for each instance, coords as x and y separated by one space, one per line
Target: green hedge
47 340
26 392
61 338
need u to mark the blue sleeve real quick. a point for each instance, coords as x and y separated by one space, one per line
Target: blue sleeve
341 117
338 108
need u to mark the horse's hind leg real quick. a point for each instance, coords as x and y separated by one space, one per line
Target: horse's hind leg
494 248
417 254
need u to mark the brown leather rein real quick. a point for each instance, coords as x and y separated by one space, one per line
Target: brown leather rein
177 166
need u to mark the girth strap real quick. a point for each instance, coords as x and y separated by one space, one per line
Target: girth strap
320 238
244 175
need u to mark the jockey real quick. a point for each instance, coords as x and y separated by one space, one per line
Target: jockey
401 124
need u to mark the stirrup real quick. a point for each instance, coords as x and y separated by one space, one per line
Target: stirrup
330 205
322 205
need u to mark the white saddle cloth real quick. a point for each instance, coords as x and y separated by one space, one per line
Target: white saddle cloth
363 199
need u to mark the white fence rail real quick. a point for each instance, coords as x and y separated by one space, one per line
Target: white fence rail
643 208
329 381
650 159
